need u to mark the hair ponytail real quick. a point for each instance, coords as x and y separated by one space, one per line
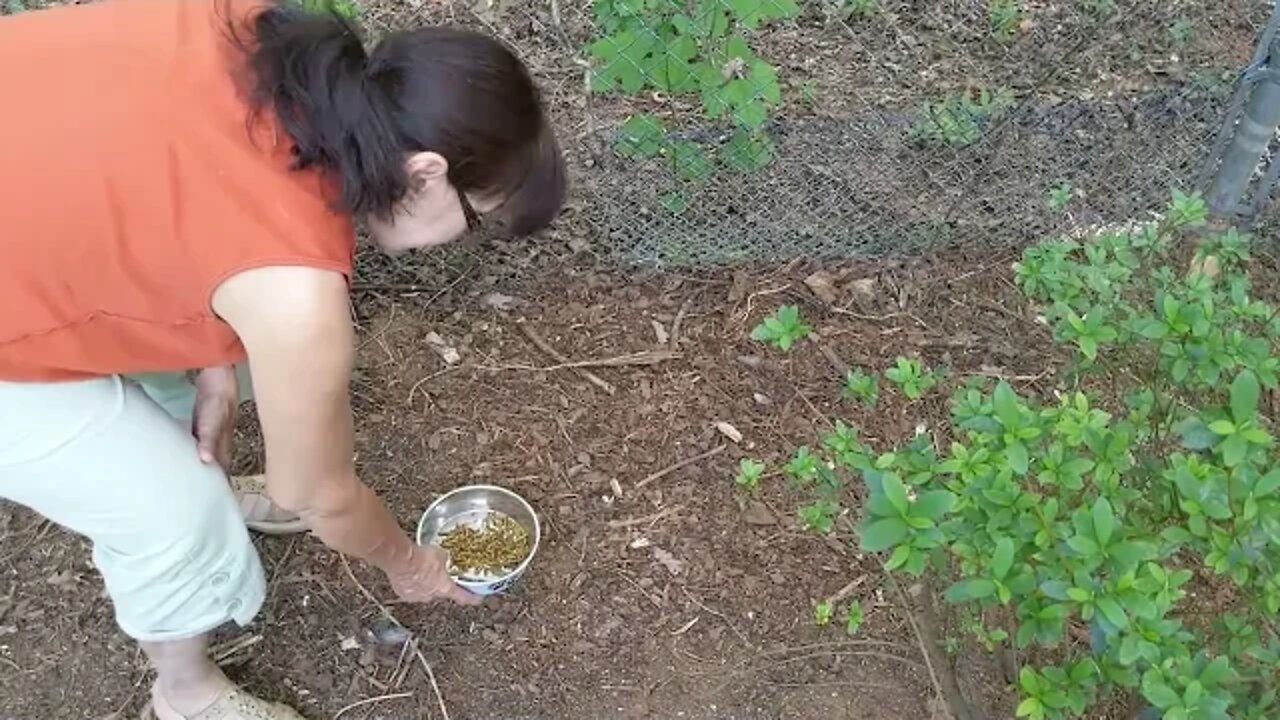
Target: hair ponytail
357 115
310 70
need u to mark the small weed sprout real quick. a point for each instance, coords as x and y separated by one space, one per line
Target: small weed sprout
912 377
1060 196
854 618
1006 17
783 329
749 473
862 386
822 613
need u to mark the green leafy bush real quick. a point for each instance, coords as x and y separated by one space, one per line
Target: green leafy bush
690 48
349 9
1124 534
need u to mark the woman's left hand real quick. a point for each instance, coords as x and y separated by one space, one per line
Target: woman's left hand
214 420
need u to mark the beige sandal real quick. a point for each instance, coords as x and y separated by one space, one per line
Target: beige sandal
259 512
232 705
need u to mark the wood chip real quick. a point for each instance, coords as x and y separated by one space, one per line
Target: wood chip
729 431
823 286
446 352
668 561
660 332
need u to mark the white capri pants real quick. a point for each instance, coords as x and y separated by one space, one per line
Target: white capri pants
114 460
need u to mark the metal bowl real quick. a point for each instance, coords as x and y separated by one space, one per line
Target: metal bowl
471 505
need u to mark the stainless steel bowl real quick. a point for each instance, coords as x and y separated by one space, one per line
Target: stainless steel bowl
471 505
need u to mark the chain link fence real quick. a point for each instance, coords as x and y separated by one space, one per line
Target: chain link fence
707 132
710 132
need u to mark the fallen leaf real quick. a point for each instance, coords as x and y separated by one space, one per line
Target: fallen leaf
669 561
822 283
729 431
866 287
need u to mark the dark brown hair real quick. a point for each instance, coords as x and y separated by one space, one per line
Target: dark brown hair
357 113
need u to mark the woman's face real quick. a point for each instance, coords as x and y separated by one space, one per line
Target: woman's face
433 213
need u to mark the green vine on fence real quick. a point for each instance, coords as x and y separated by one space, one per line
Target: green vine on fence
690 48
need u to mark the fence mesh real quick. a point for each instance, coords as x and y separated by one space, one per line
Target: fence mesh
706 132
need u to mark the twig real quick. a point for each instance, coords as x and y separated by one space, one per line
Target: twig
545 347
840 366
674 340
444 711
371 701
647 357
227 650
718 614
397 677
847 590
387 613
683 463
651 519
365 591
391 287
413 390
951 692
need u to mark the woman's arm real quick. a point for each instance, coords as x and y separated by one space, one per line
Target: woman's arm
295 324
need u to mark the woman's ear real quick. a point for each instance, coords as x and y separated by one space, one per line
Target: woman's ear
425 169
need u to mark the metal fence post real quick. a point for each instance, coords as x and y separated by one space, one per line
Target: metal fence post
1252 129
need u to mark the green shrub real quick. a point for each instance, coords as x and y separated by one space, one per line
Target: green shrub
1139 509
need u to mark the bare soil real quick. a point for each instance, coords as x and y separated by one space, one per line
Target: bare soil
682 599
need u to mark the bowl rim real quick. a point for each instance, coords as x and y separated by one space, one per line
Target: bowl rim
537 528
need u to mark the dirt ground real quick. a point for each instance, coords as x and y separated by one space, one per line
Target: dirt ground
601 625
680 599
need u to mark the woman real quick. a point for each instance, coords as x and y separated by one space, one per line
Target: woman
178 194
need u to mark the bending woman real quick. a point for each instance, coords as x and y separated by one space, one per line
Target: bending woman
178 204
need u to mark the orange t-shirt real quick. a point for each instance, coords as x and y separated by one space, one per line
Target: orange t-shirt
131 186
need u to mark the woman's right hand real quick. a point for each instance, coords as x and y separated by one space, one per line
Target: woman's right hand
424 579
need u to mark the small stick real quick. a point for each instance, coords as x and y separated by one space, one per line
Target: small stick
444 711
365 591
674 340
225 650
718 614
648 357
651 519
683 463
370 701
915 628
422 658
545 347
413 390
398 677
847 590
